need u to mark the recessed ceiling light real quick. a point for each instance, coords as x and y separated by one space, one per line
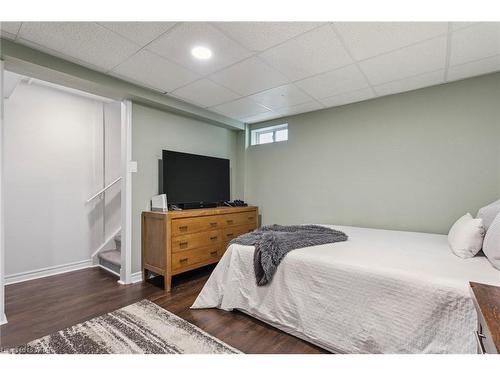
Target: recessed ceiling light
202 53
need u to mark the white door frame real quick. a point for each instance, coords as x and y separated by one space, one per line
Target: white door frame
127 167
126 196
3 318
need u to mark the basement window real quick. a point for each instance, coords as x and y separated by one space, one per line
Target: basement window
270 134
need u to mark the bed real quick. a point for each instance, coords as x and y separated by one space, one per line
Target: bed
379 292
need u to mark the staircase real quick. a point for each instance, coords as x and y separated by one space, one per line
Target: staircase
112 259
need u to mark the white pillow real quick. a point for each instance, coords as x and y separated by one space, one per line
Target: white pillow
491 244
488 213
466 236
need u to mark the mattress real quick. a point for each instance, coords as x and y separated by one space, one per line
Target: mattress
379 292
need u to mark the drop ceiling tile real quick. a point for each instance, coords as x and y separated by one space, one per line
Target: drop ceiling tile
474 68
475 42
176 45
368 39
350 97
249 76
84 41
412 83
258 36
151 70
9 29
336 82
139 32
63 56
282 96
240 109
299 108
205 93
311 53
406 62
260 117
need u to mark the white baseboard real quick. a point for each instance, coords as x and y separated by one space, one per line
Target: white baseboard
3 320
56 270
49 271
136 277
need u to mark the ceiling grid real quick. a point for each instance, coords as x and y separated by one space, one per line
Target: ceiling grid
264 70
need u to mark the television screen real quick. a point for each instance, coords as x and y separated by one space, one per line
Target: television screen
189 178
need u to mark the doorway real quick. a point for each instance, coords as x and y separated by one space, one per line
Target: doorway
65 181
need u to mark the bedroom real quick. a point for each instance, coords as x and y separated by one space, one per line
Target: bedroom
320 186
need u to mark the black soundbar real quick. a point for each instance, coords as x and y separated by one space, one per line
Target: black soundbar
192 205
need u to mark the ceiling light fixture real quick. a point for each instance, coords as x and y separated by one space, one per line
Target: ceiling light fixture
202 53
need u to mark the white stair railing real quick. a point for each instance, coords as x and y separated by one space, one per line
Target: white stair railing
101 192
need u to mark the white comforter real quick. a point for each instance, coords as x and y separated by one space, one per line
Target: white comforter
379 292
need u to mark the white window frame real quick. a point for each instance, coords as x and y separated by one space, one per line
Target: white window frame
255 133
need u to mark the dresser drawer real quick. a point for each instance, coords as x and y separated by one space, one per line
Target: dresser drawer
187 258
175 242
196 240
241 218
229 233
195 224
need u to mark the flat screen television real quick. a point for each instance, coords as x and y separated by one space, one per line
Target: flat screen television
194 180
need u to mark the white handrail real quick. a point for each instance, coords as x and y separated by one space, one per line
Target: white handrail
102 190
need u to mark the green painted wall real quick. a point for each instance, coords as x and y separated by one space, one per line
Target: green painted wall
414 161
153 131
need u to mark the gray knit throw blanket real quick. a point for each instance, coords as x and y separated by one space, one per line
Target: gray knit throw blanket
273 242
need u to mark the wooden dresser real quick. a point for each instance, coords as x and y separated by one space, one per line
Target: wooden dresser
174 242
487 302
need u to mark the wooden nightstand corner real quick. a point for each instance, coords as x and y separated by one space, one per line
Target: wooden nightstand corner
486 300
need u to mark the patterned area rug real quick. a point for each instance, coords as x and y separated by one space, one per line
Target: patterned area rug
143 327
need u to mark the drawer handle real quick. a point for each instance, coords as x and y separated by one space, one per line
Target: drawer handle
213 224
213 253
183 260
479 337
183 244
229 235
213 238
183 228
230 221
250 218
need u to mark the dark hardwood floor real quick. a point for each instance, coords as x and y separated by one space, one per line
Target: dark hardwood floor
39 307
234 328
43 306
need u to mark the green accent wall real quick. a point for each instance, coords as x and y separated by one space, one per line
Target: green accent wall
153 131
414 161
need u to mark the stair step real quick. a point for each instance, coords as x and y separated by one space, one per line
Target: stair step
111 256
